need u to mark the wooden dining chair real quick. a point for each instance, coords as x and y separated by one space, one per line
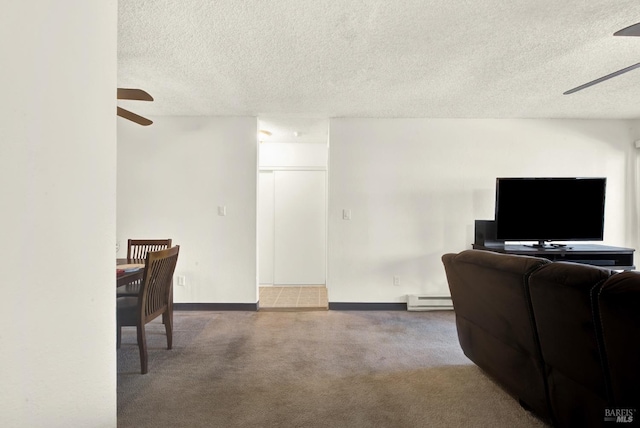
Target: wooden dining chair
137 250
154 300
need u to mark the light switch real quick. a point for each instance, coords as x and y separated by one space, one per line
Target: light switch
222 210
346 214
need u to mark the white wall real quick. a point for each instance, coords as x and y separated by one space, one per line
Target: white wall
58 172
633 219
415 187
172 177
292 155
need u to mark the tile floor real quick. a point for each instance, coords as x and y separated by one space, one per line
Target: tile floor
293 298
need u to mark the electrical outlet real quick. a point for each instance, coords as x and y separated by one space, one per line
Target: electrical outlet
182 280
396 280
222 210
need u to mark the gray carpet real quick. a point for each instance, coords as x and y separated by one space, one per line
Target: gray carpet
309 369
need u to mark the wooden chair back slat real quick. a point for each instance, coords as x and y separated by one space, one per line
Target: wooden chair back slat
138 248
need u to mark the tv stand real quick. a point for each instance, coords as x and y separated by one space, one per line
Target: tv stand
615 258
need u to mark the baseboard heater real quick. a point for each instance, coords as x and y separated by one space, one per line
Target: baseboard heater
417 302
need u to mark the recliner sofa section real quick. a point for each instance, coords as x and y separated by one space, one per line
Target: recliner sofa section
495 324
562 297
619 311
563 338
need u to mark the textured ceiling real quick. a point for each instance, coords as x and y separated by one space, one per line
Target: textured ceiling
379 58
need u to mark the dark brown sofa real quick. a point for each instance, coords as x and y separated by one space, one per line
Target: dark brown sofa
562 338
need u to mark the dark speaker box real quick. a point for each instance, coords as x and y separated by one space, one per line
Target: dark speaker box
486 233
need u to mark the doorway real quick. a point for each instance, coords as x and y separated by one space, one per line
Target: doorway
292 221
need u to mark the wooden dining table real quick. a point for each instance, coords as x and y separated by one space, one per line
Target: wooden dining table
125 278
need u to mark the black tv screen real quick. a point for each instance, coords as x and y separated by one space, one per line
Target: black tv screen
550 209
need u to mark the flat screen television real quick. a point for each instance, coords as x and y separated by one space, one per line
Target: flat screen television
550 209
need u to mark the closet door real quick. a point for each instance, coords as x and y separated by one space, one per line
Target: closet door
265 227
300 227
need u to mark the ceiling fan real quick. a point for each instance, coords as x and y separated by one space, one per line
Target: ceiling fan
133 94
632 30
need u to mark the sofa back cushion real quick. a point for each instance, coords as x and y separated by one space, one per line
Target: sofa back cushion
619 308
562 296
494 320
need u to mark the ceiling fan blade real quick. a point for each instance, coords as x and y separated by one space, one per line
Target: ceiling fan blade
133 117
632 30
602 79
133 94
